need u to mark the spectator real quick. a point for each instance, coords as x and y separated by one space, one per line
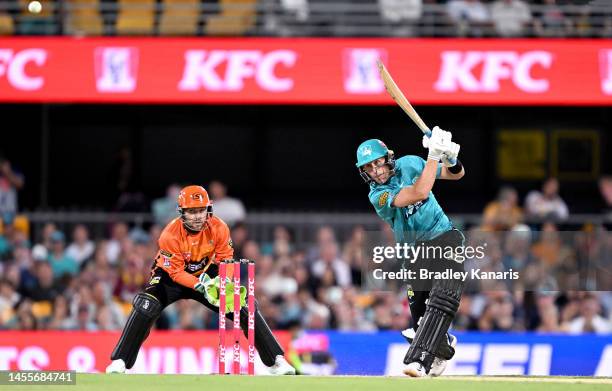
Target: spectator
510 17
9 297
230 210
25 319
550 249
605 188
133 274
11 181
551 21
433 22
81 248
60 262
546 204
119 234
164 209
354 253
83 321
60 319
329 260
44 287
294 17
101 295
47 231
549 319
589 321
517 248
503 213
240 236
471 17
401 16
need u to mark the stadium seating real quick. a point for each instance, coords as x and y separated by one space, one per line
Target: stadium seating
136 17
6 24
236 18
83 17
180 17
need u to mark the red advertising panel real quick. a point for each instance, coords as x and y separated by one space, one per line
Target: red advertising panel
163 352
305 71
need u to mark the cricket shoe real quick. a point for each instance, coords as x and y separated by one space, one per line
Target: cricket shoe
439 364
116 366
281 367
415 369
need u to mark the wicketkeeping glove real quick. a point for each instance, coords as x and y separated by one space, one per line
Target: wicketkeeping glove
210 288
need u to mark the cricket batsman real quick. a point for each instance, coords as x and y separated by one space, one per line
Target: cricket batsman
190 248
400 191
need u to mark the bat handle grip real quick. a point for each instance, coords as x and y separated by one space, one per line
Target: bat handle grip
427 132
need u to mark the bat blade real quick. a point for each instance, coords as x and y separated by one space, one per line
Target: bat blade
400 99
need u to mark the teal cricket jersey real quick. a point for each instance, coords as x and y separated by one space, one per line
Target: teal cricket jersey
423 220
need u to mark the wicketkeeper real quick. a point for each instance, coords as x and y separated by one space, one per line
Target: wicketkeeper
186 267
400 191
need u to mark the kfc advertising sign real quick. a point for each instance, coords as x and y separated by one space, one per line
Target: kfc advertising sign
305 71
163 352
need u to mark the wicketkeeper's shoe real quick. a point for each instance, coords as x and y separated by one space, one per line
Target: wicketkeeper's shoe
439 364
415 369
117 366
281 367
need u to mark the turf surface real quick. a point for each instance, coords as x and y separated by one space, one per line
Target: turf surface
102 382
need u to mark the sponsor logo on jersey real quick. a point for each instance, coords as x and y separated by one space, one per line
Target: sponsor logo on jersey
382 200
165 253
413 208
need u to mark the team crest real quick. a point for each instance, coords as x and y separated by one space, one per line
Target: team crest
366 150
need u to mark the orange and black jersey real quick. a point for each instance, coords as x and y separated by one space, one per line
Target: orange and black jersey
184 255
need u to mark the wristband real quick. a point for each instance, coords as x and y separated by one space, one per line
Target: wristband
456 169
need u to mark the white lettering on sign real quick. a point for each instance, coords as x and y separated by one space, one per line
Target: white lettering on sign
457 72
202 70
605 66
13 66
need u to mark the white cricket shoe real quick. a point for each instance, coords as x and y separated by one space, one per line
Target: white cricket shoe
415 369
117 366
281 367
439 364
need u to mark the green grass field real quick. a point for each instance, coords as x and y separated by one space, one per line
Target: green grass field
336 383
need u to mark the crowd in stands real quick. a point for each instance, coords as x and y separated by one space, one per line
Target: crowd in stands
473 18
72 281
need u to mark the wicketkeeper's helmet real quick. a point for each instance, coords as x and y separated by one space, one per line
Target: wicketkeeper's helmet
193 197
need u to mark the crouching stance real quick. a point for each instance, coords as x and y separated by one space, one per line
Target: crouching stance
190 249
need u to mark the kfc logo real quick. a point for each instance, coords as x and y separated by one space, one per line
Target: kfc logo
116 69
360 71
605 65
13 65
202 69
458 71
